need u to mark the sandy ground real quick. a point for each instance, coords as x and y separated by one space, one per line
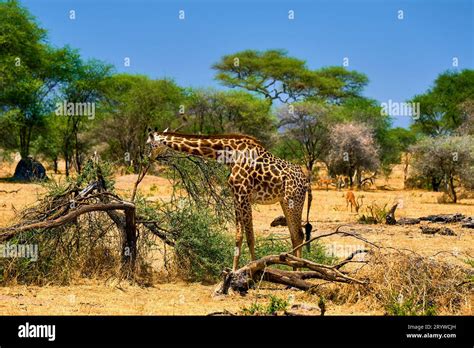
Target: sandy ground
328 211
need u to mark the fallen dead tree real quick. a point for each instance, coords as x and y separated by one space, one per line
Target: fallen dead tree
246 277
84 214
73 203
392 281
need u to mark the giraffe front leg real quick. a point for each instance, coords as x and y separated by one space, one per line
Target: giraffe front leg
248 227
243 213
238 246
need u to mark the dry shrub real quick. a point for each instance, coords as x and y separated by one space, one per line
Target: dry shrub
444 199
407 284
91 248
465 195
412 284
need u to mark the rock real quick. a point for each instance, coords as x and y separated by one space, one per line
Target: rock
408 221
446 231
440 230
29 170
445 218
279 221
468 225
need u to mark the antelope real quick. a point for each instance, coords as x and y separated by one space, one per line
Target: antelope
325 182
351 199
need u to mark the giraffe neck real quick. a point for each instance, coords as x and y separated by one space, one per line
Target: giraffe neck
225 149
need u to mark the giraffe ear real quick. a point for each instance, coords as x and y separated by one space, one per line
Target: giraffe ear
156 129
149 130
165 130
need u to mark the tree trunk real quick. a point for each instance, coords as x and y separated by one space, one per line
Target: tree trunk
77 153
359 179
435 184
129 250
351 181
24 142
66 163
405 170
452 188
55 164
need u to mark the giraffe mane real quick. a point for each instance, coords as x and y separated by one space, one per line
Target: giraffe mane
235 136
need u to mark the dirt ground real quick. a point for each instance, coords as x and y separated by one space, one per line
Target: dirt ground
178 298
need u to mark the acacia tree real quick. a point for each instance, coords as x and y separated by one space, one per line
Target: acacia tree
402 139
211 112
134 103
441 106
447 161
30 73
305 128
87 84
276 76
33 77
352 150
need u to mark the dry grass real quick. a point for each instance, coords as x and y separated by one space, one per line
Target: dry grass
405 283
328 211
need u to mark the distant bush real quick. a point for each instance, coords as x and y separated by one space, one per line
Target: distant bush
447 162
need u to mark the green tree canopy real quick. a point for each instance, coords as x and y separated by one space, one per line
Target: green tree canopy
31 73
441 106
277 76
134 103
212 112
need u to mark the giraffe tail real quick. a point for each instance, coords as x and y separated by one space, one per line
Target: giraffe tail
308 227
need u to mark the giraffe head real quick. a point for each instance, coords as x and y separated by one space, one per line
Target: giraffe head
155 143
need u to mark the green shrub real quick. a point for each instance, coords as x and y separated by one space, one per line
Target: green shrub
375 214
274 305
203 248
274 246
470 262
409 307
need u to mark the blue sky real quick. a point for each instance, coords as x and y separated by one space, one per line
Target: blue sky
401 57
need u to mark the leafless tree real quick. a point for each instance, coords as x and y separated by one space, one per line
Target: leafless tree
352 150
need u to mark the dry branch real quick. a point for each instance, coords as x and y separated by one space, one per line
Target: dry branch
12 191
141 174
244 278
9 232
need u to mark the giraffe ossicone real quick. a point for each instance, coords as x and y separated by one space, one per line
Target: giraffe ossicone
256 176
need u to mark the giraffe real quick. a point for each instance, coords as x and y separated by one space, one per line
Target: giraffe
256 177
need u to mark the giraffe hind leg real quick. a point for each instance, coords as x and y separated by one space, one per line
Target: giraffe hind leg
293 211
